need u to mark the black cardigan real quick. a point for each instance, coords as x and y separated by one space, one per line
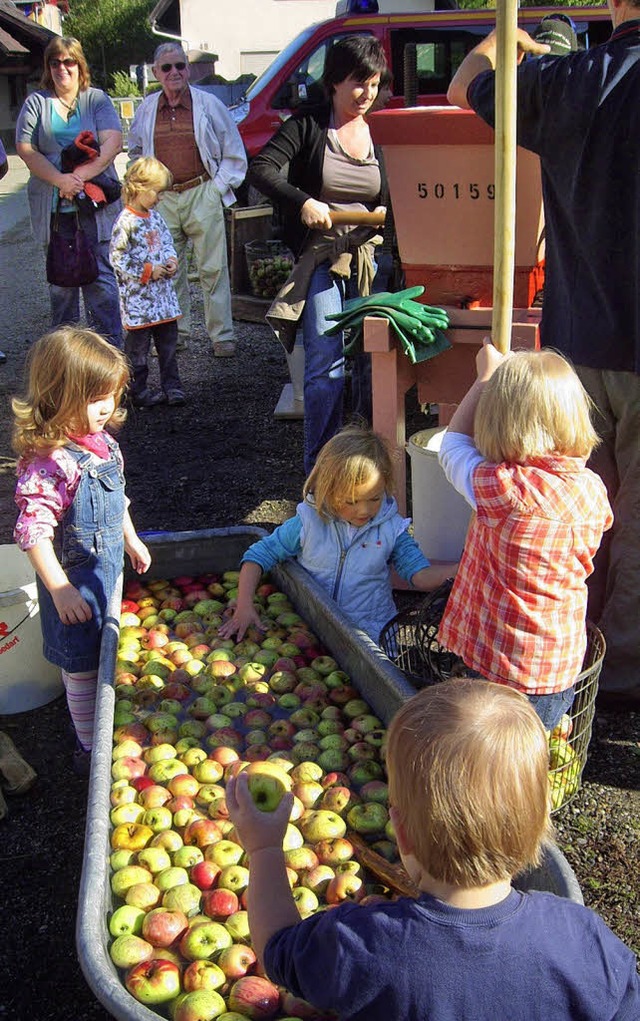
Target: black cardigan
300 143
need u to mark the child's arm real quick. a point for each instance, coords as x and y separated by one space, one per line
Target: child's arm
138 553
270 904
430 578
245 613
487 361
412 565
72 607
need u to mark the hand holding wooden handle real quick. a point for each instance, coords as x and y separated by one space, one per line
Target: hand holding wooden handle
356 218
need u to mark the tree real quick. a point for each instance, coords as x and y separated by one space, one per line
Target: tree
113 33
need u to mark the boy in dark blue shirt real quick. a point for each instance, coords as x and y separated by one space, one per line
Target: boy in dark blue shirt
468 781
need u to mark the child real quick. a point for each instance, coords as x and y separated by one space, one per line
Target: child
516 449
144 261
71 486
346 533
467 763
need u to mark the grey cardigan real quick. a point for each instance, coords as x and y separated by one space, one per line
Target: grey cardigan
97 113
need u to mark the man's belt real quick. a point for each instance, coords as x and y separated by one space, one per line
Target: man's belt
193 183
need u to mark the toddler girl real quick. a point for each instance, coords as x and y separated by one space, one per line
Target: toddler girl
144 260
347 533
74 523
516 449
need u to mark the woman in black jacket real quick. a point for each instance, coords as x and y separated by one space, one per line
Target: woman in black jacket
323 159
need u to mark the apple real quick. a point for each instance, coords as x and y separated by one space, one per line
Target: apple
163 771
219 904
191 757
234 877
308 791
204 874
292 838
224 755
253 670
202 832
204 941
130 748
168 878
144 896
161 926
299 1009
317 879
185 898
224 853
155 859
322 825
301 858
375 790
333 760
121 858
169 839
126 921
153 982
267 791
158 819
127 813
254 997
238 925
289 701
129 876
128 768
305 901
305 751
364 771
304 718
198 1005
345 886
203 975
183 785
337 799
128 950
368 818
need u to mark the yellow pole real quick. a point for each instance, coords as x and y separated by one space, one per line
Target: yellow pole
505 173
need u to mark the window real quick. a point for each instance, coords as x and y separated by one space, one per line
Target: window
439 53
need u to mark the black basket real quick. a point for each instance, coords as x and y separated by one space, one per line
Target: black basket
409 640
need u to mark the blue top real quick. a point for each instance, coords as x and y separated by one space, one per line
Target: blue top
581 114
532 957
352 565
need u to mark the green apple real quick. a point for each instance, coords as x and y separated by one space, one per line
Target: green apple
126 877
185 898
237 925
168 878
322 825
234 877
126 921
128 950
305 901
205 940
154 858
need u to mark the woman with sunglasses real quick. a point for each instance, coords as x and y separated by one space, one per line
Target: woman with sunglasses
50 120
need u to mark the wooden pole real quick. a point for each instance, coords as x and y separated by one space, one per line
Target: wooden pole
505 173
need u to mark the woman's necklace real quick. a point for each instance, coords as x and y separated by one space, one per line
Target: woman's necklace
71 107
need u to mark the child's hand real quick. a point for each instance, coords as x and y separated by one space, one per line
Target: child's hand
158 272
171 266
72 607
257 830
138 554
488 359
241 620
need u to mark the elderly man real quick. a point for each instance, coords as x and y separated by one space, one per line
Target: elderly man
581 114
194 135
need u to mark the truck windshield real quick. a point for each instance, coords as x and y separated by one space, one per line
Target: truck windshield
278 62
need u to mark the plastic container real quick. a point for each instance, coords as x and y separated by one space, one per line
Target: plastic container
27 681
269 264
379 681
440 514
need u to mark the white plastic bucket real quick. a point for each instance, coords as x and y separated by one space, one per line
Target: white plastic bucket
27 681
295 361
440 514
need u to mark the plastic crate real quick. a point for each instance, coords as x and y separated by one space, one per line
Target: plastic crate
269 263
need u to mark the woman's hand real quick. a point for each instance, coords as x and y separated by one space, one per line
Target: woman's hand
70 185
316 215
72 607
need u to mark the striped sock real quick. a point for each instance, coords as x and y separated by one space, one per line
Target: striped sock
81 699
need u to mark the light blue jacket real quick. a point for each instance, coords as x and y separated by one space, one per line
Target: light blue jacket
352 565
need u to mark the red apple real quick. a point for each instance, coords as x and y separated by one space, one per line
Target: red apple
219 904
255 997
162 927
236 960
204 874
153 982
202 975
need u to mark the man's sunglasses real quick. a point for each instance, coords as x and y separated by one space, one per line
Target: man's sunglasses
179 66
68 62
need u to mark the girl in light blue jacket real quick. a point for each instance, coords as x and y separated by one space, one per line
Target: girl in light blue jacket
348 534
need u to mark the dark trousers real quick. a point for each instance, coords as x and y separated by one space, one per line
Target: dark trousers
136 346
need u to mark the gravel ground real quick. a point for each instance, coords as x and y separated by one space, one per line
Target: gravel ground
222 459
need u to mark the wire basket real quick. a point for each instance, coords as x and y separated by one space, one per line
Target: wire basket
410 641
269 263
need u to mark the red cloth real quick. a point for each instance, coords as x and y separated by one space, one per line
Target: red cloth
517 609
94 442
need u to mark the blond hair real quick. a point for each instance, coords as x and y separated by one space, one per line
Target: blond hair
68 368
146 172
534 404
468 768
347 461
61 47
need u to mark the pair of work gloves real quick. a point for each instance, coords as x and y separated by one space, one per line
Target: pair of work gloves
419 328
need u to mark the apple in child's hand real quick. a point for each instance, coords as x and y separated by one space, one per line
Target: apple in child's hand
267 791
254 997
153 982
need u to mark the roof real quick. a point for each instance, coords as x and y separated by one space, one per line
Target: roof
18 34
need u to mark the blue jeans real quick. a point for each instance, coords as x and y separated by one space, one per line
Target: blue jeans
101 301
324 360
551 708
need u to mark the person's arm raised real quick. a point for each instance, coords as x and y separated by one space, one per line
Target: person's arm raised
483 57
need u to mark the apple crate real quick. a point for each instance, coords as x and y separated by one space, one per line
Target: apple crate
377 679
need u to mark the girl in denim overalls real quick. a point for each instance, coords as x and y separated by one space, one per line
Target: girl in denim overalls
74 523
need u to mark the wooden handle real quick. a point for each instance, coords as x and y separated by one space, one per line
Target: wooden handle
356 218
393 876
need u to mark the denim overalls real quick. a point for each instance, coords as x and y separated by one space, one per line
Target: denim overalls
90 545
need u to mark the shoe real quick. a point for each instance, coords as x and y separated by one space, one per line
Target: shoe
619 701
182 344
223 349
81 762
175 398
147 399
18 776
